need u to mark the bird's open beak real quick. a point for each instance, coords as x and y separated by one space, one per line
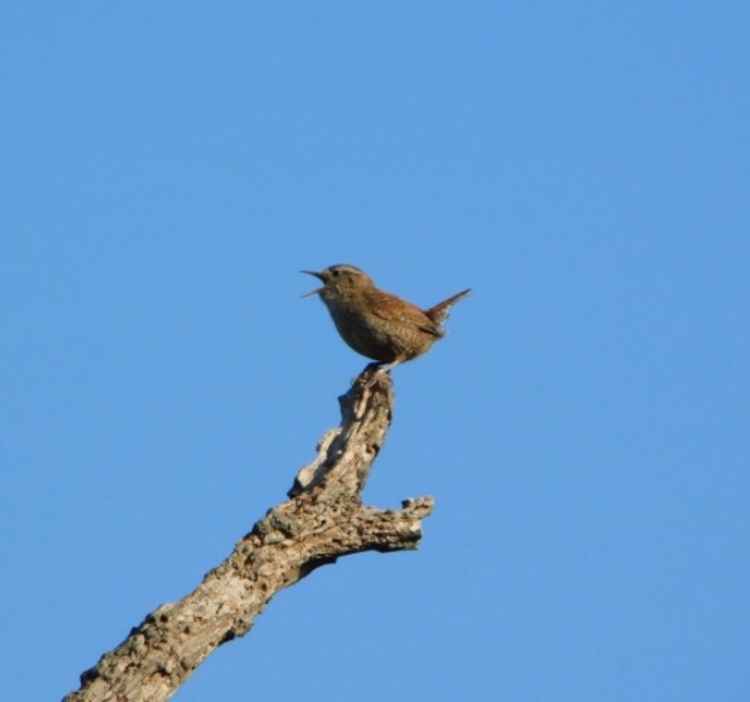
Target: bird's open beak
319 276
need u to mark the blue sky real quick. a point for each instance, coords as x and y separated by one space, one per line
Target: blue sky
168 168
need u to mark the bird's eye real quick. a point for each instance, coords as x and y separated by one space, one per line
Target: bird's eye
335 272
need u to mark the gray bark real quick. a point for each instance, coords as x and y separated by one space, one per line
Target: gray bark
324 518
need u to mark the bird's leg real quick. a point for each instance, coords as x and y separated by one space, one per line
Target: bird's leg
381 366
386 367
373 370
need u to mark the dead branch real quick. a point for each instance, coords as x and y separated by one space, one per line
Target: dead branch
323 520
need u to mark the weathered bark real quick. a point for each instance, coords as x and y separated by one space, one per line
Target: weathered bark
323 519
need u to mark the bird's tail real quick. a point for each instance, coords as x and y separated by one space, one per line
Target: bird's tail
439 313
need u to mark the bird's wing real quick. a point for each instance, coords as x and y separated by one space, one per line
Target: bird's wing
404 313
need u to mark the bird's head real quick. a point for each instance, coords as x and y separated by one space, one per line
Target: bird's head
339 281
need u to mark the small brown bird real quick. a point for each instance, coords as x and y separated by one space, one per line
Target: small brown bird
375 323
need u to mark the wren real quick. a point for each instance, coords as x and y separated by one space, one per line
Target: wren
375 323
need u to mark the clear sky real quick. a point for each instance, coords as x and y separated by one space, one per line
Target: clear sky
167 169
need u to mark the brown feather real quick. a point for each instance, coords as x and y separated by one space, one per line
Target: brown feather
439 313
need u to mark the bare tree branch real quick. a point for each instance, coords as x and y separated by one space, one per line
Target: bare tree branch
323 519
